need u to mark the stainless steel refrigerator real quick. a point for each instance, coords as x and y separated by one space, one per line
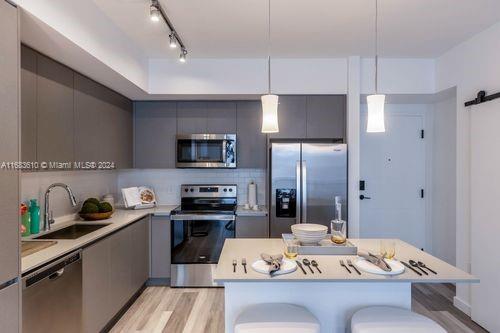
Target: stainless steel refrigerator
305 179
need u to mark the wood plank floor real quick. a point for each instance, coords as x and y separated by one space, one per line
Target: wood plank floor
201 310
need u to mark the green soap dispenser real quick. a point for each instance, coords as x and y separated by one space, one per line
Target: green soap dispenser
35 216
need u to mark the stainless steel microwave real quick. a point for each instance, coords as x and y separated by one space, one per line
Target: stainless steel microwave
206 151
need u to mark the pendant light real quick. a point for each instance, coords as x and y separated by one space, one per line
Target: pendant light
376 102
269 101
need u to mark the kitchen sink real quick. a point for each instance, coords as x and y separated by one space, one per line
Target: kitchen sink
73 231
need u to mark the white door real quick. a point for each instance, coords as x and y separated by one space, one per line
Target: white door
485 224
393 168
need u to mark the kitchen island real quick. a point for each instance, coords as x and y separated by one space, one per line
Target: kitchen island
332 296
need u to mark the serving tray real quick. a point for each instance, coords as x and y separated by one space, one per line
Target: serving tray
325 247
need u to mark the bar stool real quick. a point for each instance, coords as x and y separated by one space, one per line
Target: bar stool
276 318
386 319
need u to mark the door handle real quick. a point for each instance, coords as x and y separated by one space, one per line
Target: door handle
298 193
363 197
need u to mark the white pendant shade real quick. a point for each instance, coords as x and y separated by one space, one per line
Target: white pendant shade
270 114
376 105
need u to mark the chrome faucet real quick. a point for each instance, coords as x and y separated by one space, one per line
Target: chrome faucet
48 218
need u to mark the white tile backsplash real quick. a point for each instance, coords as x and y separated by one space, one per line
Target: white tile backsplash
167 182
84 184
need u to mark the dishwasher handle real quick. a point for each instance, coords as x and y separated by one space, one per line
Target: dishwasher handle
51 271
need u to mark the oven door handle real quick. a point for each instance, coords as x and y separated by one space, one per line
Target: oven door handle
196 217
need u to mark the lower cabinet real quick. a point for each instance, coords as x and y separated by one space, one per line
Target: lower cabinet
114 268
9 308
252 227
160 247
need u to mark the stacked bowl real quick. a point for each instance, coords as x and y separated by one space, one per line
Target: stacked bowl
308 233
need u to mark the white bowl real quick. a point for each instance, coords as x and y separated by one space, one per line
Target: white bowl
309 228
308 233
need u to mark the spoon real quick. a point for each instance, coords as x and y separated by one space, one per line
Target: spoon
306 262
415 264
421 264
315 264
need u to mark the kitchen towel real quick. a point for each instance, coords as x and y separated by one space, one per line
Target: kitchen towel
252 194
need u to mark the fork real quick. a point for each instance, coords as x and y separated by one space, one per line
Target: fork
349 262
343 264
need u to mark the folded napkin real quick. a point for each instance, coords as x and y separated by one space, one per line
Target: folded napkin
375 259
274 262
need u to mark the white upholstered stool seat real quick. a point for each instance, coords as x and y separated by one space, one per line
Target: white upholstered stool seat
276 318
386 319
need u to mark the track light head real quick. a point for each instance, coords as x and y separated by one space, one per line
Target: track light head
173 40
154 12
182 57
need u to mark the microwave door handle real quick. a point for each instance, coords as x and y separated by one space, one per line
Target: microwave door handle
224 151
298 193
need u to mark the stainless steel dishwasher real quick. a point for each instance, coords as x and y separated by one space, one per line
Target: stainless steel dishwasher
52 296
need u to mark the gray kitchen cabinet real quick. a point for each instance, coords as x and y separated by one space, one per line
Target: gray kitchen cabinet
221 117
252 227
155 128
191 117
9 147
160 247
326 116
96 280
140 253
28 104
251 150
119 146
55 116
114 268
120 274
9 307
291 117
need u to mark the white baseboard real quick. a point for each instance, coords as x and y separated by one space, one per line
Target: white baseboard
461 305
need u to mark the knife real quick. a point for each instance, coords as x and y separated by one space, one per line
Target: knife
376 260
301 267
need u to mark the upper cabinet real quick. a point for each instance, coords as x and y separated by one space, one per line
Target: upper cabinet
103 124
68 117
291 117
55 116
216 117
155 129
311 117
251 142
326 116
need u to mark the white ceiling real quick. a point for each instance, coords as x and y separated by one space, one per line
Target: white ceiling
304 29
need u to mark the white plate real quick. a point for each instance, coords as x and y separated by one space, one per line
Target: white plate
287 266
366 266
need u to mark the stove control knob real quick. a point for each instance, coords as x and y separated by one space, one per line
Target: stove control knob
192 190
225 190
230 190
185 190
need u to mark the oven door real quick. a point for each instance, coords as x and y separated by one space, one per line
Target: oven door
199 241
206 151
196 246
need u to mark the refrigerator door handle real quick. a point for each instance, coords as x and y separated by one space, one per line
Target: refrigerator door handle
304 192
299 192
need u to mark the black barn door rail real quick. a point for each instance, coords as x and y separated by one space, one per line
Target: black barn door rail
482 98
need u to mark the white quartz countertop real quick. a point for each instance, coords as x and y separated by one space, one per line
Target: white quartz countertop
329 264
120 219
241 211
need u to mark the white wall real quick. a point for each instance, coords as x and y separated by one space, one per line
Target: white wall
84 184
443 191
470 67
167 182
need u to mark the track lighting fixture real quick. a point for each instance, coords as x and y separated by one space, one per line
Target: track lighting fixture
182 57
154 11
173 41
157 13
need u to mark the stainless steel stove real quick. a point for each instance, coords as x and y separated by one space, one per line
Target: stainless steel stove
199 227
